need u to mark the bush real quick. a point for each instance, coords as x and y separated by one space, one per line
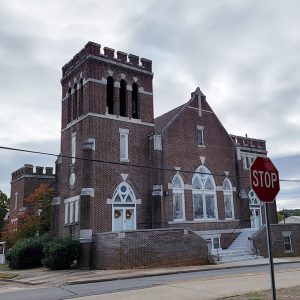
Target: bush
27 253
61 253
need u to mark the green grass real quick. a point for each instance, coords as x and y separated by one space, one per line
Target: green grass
7 275
4 268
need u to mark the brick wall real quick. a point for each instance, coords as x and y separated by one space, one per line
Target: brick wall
277 232
24 182
149 249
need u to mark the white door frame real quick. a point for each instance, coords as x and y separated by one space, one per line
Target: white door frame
255 221
123 208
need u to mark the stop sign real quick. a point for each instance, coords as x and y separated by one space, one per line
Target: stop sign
264 179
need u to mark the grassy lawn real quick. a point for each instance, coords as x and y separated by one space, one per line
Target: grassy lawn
287 293
7 275
4 268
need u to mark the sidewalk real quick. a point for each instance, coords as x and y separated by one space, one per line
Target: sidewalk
45 278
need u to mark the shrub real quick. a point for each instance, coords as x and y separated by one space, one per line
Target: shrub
61 253
27 253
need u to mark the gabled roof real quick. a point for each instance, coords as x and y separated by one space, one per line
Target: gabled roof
164 120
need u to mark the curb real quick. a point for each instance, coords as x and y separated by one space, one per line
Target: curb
133 276
171 273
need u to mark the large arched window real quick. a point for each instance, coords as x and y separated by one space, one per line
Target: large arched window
69 106
135 101
204 195
81 98
110 94
124 194
228 199
178 198
75 102
123 104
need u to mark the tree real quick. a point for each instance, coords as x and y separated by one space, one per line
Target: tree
3 208
35 220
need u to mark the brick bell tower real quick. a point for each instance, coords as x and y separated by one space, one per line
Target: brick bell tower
107 118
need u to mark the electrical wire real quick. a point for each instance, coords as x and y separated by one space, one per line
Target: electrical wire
127 164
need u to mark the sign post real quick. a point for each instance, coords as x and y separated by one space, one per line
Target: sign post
265 183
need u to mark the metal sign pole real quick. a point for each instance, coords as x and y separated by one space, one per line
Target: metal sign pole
270 250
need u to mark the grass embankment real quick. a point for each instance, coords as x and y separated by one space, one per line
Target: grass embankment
6 275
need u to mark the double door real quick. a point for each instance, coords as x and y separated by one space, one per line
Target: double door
124 218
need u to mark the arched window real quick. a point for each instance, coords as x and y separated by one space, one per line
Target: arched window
204 195
75 102
81 98
69 108
124 194
123 106
135 101
228 199
110 95
178 198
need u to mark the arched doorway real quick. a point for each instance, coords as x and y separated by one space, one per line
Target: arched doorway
123 208
255 210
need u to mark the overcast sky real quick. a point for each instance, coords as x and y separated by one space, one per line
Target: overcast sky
244 55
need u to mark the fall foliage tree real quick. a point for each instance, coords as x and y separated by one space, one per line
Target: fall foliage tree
35 220
3 208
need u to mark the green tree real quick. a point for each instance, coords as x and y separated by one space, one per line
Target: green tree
3 208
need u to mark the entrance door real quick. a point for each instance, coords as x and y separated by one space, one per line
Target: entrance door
255 217
123 218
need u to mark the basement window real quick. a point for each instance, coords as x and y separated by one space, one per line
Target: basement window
287 242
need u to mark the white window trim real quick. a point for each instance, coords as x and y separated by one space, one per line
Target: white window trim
204 192
229 193
73 148
124 133
16 200
285 235
71 210
179 191
201 132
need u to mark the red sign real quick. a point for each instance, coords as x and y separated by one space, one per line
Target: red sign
264 179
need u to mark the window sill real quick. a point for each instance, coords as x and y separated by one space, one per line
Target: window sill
201 146
71 224
124 160
288 251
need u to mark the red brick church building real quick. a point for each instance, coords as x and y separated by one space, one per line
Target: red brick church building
121 170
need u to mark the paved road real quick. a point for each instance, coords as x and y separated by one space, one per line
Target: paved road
212 284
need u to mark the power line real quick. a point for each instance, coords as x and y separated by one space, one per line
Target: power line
126 164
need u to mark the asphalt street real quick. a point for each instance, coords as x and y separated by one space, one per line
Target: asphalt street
211 284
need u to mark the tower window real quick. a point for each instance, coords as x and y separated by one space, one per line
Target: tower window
81 98
135 101
123 144
201 136
73 148
123 106
75 102
110 95
69 108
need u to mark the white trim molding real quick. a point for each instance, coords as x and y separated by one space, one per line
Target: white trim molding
55 201
87 192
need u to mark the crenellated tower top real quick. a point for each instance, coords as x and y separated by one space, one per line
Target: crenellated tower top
94 49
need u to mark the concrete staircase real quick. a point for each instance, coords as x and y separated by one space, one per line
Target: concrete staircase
239 250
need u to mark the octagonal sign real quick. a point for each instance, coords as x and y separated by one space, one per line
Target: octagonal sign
264 179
